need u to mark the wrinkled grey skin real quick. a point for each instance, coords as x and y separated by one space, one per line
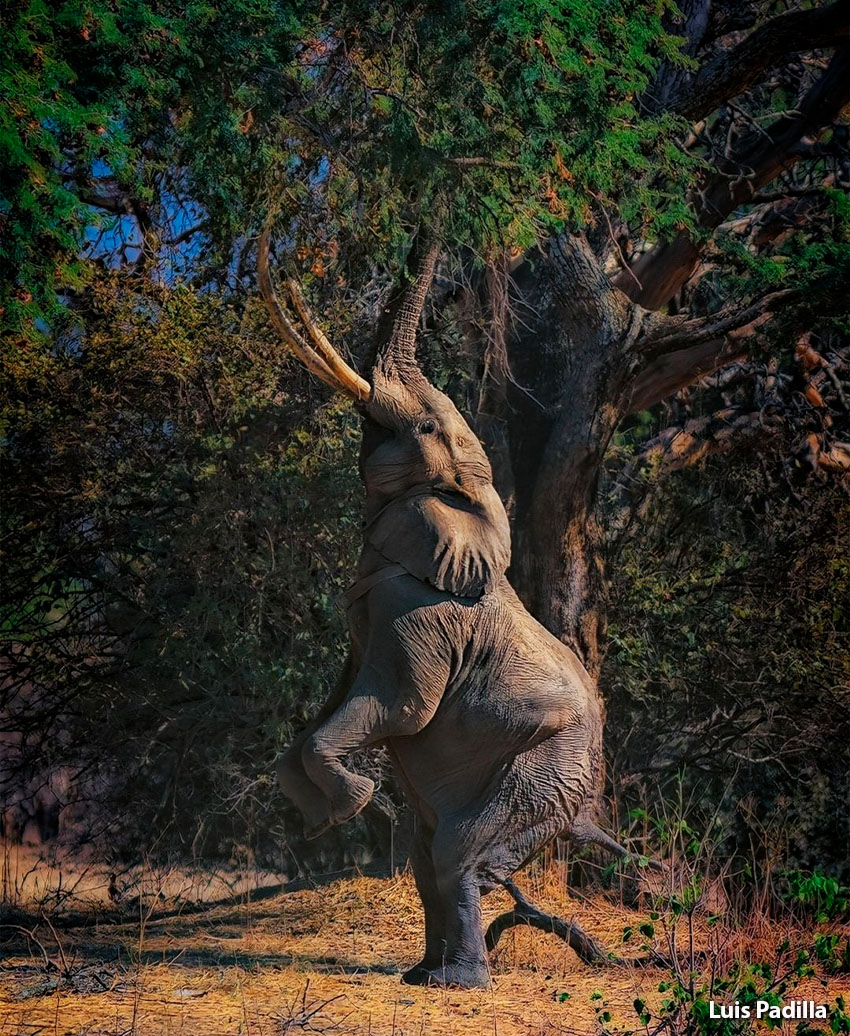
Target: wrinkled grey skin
493 725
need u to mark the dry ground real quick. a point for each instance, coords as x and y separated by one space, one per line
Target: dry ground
325 960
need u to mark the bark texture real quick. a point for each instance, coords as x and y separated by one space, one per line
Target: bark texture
571 371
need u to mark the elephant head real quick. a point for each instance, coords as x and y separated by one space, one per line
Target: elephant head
430 502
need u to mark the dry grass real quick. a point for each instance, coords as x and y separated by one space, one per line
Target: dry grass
325 960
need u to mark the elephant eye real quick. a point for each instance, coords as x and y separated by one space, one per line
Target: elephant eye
428 427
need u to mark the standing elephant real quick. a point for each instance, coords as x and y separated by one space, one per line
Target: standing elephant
492 724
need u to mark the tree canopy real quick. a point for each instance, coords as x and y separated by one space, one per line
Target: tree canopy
349 121
643 219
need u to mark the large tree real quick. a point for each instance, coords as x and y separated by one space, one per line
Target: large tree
605 347
641 207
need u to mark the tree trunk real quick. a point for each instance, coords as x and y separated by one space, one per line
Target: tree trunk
570 366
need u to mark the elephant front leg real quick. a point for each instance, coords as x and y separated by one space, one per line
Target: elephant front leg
293 781
358 722
365 718
346 793
309 800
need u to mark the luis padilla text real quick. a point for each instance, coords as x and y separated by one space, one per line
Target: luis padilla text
765 1009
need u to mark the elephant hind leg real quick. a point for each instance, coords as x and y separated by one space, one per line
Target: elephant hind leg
462 959
433 905
464 964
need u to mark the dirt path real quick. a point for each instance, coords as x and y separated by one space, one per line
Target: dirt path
328 960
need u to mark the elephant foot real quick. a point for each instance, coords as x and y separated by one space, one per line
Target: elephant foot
345 805
417 975
301 791
458 976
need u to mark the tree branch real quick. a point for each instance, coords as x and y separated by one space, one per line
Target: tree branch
479 161
835 458
680 351
184 235
727 429
581 285
674 371
760 157
674 333
118 204
813 414
733 71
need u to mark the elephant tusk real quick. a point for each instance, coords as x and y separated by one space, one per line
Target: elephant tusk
322 361
348 378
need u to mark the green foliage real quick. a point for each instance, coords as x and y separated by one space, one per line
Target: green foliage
819 894
838 1022
832 952
99 91
542 95
816 265
728 629
692 983
182 508
179 528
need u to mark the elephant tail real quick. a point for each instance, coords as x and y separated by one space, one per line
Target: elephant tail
583 831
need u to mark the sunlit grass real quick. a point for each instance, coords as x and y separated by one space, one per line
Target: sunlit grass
168 955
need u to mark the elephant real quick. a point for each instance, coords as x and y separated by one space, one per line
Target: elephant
493 726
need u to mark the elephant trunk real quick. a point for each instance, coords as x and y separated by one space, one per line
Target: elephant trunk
396 361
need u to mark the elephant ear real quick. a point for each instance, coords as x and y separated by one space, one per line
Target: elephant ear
456 544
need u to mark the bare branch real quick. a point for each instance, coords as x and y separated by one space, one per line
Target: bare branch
701 437
480 161
674 333
117 202
673 371
835 458
682 351
184 235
